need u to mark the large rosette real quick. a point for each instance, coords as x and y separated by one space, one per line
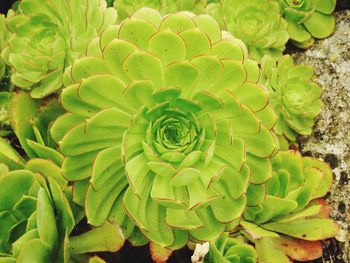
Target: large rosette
169 113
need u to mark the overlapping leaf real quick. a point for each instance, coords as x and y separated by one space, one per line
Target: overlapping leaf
170 126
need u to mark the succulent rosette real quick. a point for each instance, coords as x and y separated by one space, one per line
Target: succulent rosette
258 23
295 97
292 215
166 119
228 249
46 37
35 216
126 8
308 19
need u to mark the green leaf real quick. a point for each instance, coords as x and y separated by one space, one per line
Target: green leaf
225 49
256 232
78 167
177 23
210 70
107 237
23 110
320 25
168 46
325 6
138 94
274 207
270 252
209 26
86 67
48 169
8 221
197 43
34 251
307 229
14 185
136 170
46 152
64 123
252 95
182 75
226 81
98 202
211 230
182 219
256 194
137 31
110 95
79 190
9 156
71 102
226 210
230 182
298 32
185 176
144 66
46 220
326 182
261 169
114 55
262 145
311 211
64 213
98 132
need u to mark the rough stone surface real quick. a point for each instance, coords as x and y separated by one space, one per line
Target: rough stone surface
331 137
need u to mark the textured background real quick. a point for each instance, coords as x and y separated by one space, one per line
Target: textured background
331 137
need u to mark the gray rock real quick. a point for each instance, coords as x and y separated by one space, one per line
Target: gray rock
331 137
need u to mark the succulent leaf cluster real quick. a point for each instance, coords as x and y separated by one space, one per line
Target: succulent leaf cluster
126 8
160 121
258 23
46 37
292 211
231 249
35 216
295 97
3 42
308 19
167 153
5 86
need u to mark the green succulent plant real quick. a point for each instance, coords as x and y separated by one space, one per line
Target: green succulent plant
126 8
5 86
42 44
35 216
258 23
153 110
228 249
291 212
308 19
3 42
295 182
9 157
5 127
30 119
295 97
